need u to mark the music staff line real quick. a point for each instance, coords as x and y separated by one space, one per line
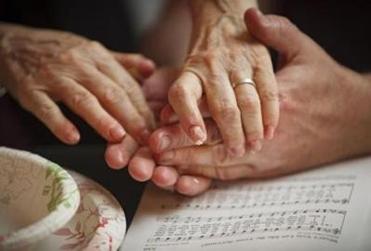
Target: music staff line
189 219
261 204
333 231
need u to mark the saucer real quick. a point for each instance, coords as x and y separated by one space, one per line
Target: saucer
99 223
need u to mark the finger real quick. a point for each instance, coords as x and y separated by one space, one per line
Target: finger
156 107
116 101
277 32
198 155
224 173
118 155
168 115
192 185
183 97
165 177
142 165
249 104
139 66
157 86
120 76
173 136
49 113
86 105
268 93
224 110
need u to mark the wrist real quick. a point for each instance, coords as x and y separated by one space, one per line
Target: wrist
213 20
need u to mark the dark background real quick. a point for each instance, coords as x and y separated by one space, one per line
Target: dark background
342 28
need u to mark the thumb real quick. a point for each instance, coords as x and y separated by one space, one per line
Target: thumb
276 32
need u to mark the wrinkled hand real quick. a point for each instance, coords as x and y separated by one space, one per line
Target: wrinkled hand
325 117
43 67
155 89
223 54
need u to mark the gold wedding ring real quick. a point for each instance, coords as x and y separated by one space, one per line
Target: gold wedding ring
246 81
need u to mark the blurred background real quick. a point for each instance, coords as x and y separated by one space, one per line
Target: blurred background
342 28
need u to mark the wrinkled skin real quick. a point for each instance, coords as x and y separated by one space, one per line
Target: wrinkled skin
325 117
42 67
222 55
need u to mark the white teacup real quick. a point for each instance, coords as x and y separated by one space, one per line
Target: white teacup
37 197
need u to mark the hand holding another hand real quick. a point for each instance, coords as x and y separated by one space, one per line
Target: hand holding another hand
325 117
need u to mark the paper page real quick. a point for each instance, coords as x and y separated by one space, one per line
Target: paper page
323 209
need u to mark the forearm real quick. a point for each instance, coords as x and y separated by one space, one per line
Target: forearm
214 9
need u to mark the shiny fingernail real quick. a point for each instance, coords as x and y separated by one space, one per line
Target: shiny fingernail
269 132
119 158
196 181
117 133
165 142
256 145
197 135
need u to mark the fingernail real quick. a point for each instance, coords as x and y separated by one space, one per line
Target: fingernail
269 132
73 137
119 158
256 145
117 133
166 157
197 135
165 142
196 181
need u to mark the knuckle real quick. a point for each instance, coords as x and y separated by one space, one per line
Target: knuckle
46 110
222 173
132 90
254 134
216 77
82 99
249 102
269 96
24 97
226 111
219 154
46 71
177 91
95 45
112 95
70 56
104 124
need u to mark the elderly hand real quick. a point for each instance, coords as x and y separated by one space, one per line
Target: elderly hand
222 61
325 117
42 67
155 89
142 166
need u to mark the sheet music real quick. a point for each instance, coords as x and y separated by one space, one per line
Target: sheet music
326 208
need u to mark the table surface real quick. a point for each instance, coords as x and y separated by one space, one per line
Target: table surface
89 161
